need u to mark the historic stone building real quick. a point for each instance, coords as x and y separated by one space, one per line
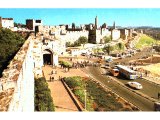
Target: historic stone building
34 25
6 22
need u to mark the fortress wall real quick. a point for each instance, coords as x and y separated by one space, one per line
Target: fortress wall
100 35
72 36
19 76
115 34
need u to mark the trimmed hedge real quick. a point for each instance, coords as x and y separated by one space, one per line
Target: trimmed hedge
42 96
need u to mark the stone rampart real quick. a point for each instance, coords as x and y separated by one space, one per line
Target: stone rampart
20 78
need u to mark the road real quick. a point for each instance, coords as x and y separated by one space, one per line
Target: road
141 102
150 89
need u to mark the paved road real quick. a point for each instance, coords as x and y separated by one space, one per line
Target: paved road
143 103
149 88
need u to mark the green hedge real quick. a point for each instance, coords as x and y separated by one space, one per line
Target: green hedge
42 96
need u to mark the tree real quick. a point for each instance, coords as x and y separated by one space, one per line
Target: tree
104 25
82 40
19 25
10 43
120 46
108 48
68 44
107 39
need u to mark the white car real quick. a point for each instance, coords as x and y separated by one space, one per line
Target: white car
135 85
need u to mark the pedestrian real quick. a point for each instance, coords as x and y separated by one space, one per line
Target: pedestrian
141 75
52 79
68 68
158 95
1 86
146 73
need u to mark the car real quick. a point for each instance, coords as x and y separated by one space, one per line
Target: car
128 55
135 85
83 54
157 106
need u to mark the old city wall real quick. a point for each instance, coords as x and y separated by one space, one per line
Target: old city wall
100 34
20 78
72 36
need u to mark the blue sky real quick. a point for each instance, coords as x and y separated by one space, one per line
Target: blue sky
122 16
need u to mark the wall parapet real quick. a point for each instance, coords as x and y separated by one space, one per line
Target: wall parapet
19 77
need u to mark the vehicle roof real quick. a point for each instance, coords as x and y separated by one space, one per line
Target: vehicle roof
115 69
135 83
125 68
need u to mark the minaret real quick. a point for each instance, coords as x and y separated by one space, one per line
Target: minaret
96 22
114 25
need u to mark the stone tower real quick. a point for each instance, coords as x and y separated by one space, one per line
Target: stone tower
114 25
96 22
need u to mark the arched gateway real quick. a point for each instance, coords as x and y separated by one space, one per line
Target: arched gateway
50 57
47 57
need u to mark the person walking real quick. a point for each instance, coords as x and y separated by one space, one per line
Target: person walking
146 73
52 79
158 95
1 86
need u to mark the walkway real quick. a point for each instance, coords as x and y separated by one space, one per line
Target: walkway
61 98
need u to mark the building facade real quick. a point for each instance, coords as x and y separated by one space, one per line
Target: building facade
6 22
34 25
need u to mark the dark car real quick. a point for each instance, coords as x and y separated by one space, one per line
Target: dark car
157 106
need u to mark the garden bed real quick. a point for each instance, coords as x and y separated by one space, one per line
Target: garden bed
97 98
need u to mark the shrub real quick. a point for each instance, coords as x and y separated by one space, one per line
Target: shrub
65 64
42 96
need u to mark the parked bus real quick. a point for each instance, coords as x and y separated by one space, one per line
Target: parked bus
127 72
114 71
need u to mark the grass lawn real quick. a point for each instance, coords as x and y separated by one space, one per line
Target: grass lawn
145 41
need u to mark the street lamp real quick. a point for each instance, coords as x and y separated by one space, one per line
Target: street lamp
85 99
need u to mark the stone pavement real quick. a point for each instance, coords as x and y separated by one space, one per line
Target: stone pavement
61 98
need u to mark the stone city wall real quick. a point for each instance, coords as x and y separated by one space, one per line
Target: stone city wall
72 36
19 77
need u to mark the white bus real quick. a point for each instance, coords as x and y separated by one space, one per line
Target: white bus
127 72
